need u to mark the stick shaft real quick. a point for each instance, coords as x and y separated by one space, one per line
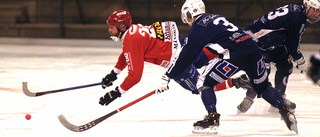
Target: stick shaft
66 89
136 101
27 92
93 123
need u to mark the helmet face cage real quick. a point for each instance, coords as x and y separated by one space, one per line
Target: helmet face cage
190 9
311 4
186 14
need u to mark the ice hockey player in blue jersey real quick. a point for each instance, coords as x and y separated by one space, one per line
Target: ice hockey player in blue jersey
313 71
278 35
237 51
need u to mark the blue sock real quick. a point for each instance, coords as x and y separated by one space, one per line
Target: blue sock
208 98
272 96
251 94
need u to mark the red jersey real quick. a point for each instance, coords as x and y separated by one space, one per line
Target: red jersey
155 44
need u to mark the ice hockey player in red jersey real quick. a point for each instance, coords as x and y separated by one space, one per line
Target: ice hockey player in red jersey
158 44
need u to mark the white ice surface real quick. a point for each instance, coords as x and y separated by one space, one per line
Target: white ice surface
170 114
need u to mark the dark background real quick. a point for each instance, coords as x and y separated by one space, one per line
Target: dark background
85 19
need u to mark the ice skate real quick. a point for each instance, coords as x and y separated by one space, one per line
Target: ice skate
242 82
291 106
245 105
288 117
209 125
273 109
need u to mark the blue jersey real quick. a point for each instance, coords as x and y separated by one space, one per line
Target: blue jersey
217 34
283 26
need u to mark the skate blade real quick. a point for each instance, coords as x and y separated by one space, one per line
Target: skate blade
294 125
273 110
294 128
241 110
209 130
238 112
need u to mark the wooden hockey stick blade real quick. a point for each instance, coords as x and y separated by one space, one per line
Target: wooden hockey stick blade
93 123
27 92
84 127
67 124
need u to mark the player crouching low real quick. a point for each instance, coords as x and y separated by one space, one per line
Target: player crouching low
237 51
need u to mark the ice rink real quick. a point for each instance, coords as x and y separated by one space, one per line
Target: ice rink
48 64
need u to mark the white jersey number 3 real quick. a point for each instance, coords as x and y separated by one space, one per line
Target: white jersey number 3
278 12
226 23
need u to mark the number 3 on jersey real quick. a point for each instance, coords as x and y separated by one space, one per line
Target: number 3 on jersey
278 12
226 23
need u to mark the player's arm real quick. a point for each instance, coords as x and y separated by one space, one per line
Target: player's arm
134 58
295 31
121 64
286 17
112 76
194 45
204 57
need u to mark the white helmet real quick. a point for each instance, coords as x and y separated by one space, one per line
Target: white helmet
311 4
192 8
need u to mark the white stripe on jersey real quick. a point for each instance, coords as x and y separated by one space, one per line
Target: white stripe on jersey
264 32
219 49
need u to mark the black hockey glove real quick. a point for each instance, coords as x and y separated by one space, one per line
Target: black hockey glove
110 96
108 79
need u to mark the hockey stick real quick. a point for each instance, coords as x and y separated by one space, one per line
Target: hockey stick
91 124
35 94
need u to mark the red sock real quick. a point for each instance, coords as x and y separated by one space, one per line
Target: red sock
223 85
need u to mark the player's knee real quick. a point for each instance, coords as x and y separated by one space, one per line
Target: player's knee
285 68
203 88
196 91
285 71
259 88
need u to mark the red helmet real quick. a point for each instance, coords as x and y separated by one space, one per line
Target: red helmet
118 17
